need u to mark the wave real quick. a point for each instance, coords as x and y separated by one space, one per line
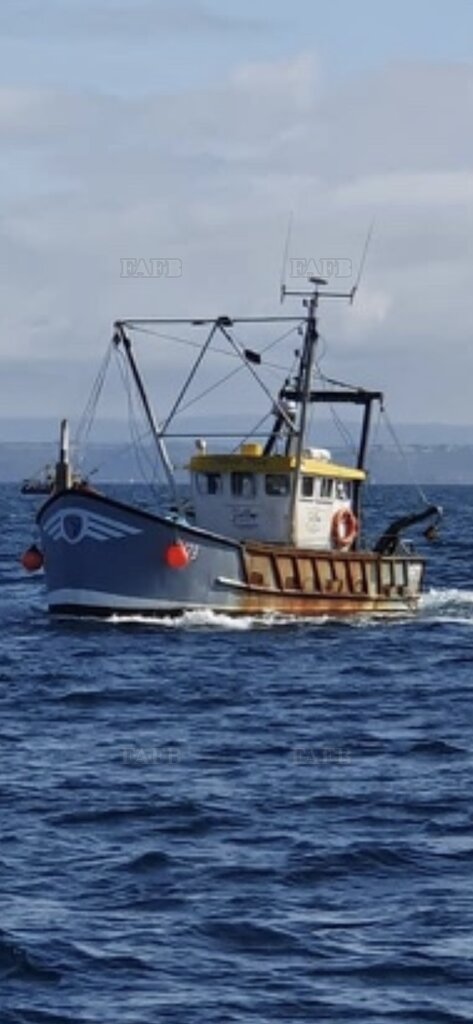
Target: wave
149 862
103 815
26 1015
205 618
17 963
451 595
111 961
436 748
360 858
246 936
448 605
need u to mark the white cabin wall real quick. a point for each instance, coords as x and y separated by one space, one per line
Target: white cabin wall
268 517
264 517
314 521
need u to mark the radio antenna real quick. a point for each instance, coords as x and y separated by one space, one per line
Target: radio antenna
282 286
362 262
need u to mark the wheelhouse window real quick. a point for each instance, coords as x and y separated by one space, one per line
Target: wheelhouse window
307 486
343 490
243 485
209 483
326 487
277 484
214 483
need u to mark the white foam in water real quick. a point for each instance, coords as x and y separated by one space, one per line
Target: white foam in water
449 605
207 619
450 596
203 618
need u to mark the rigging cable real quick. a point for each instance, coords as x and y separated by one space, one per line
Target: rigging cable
223 380
255 430
343 430
86 420
197 344
405 460
266 416
141 454
137 438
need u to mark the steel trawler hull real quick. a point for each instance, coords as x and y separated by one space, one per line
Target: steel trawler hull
103 557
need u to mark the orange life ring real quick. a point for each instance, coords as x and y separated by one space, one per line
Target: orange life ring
344 528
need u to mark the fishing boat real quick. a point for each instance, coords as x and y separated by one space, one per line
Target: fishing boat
45 481
273 526
42 483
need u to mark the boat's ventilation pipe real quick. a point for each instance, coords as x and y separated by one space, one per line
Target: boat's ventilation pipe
63 469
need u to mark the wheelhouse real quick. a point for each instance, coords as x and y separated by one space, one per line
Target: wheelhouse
252 495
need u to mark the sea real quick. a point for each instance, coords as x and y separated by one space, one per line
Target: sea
217 821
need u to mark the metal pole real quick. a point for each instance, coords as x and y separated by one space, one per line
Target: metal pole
188 381
122 338
63 470
274 401
360 462
305 380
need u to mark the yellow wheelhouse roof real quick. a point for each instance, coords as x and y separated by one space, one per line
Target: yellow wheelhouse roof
245 463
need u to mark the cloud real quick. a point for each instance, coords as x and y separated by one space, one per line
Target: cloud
208 177
409 191
115 18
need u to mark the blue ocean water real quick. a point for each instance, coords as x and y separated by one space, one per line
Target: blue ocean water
214 821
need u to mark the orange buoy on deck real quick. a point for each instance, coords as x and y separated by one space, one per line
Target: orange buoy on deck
177 555
32 559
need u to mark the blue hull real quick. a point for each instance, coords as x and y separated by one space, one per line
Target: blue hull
103 557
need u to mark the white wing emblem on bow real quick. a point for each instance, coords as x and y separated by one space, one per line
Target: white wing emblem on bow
74 525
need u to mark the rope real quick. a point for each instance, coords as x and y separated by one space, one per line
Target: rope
405 460
219 351
252 432
140 452
223 380
343 430
85 422
345 434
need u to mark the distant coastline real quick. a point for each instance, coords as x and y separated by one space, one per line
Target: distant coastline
116 462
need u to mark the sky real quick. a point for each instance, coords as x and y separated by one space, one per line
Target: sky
141 130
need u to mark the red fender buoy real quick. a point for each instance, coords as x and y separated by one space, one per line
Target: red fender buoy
177 555
32 559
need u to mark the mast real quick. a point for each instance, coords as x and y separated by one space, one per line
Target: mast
120 338
302 393
290 408
303 384
62 480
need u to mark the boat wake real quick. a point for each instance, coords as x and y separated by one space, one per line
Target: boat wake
437 605
205 618
449 605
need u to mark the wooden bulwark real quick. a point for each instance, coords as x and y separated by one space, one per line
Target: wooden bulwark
288 576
